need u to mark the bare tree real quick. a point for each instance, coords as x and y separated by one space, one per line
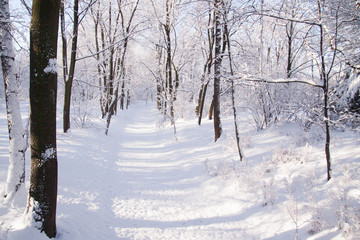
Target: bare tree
217 71
167 74
226 5
205 78
18 145
119 66
69 69
68 74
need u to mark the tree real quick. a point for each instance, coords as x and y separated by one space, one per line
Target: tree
324 48
69 74
16 171
228 43
166 47
113 29
69 69
43 92
207 66
217 71
117 69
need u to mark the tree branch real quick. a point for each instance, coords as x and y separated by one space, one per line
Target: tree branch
259 79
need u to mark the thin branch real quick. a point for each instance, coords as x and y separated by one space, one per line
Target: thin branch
28 8
309 22
258 79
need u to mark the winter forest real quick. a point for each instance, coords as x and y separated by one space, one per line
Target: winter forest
179 119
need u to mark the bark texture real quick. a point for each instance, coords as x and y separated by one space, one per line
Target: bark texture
43 92
217 73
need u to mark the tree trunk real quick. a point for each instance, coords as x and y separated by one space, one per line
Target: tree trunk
43 91
289 33
169 78
227 41
69 81
128 98
197 108
122 97
99 65
16 171
202 101
207 67
217 72
63 40
325 78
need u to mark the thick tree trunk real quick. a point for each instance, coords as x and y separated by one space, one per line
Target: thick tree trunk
43 92
16 171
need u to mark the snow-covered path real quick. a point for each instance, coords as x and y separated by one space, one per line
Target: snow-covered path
140 183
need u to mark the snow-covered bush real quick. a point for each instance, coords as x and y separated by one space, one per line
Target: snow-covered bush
287 155
346 107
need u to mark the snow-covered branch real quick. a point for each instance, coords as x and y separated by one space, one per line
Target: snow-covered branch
265 80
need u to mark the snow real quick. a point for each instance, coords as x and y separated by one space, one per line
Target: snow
354 85
49 153
52 66
140 182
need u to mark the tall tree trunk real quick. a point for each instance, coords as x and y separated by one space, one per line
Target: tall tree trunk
43 92
208 65
16 170
227 41
69 81
169 78
97 56
217 72
63 40
325 78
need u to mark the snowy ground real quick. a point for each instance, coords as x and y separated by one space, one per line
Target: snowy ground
142 183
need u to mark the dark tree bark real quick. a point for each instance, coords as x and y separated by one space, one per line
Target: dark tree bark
43 92
217 72
289 34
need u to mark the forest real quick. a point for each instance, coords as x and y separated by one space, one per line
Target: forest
179 119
